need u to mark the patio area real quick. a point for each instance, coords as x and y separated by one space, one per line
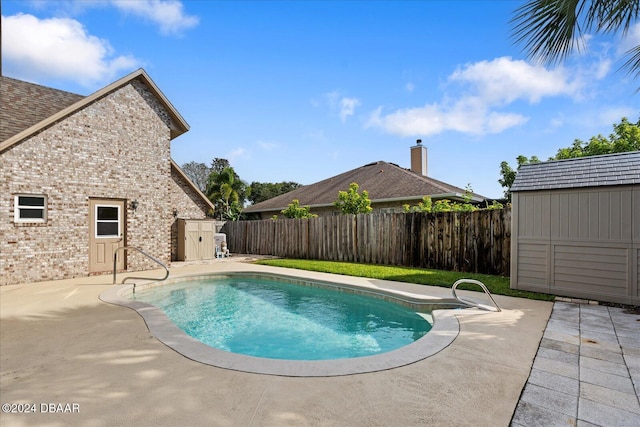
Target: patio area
59 344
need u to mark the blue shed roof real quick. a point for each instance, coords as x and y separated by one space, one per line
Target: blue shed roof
593 171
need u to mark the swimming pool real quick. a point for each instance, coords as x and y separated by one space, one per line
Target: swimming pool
265 317
165 327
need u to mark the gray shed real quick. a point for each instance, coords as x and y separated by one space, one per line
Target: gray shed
576 228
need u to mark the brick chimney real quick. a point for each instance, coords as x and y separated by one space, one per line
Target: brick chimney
419 158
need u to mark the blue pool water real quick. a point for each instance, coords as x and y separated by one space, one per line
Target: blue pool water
277 320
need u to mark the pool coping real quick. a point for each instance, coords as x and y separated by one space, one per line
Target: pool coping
444 331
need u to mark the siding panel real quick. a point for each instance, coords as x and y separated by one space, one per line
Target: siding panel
583 215
532 267
634 209
597 269
605 209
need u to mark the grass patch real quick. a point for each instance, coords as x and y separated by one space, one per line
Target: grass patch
498 285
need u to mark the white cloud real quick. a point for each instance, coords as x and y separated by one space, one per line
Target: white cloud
332 98
267 146
343 105
614 114
556 123
347 107
409 87
237 153
504 80
316 135
465 116
476 92
602 69
631 40
58 48
168 14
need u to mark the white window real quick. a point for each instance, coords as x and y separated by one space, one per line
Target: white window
107 221
30 208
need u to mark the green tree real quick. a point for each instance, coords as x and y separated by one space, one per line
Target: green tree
227 191
218 164
509 175
352 202
423 206
198 173
294 210
551 30
446 205
261 191
625 137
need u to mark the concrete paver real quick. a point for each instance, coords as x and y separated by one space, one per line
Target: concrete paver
587 376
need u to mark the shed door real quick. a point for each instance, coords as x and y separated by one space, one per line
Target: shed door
207 245
106 231
192 240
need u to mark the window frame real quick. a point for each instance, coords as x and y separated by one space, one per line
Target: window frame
18 208
117 220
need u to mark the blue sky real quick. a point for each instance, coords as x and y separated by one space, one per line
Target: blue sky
304 90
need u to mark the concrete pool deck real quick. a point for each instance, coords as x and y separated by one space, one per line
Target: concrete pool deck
59 344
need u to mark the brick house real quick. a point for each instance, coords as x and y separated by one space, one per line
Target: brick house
81 176
390 187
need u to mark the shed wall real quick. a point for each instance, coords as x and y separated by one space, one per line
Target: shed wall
581 243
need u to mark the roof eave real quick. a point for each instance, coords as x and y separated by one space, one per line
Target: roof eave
178 125
204 198
458 196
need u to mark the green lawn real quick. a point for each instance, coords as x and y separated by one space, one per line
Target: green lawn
498 285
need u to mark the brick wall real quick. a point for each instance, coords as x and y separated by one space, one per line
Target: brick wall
118 148
30 104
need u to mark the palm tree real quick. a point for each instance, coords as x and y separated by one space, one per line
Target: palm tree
552 29
227 191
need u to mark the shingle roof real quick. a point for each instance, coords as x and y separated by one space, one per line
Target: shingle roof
593 171
27 108
25 104
178 125
384 182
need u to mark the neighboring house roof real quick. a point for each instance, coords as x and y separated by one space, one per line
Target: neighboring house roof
592 171
385 182
61 108
28 108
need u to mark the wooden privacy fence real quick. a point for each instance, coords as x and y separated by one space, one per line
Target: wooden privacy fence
478 242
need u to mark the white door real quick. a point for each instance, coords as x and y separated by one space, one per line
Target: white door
106 231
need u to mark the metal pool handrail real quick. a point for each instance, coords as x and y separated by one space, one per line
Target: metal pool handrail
151 279
467 302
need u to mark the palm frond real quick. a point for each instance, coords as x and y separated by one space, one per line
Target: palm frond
549 29
632 65
613 15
